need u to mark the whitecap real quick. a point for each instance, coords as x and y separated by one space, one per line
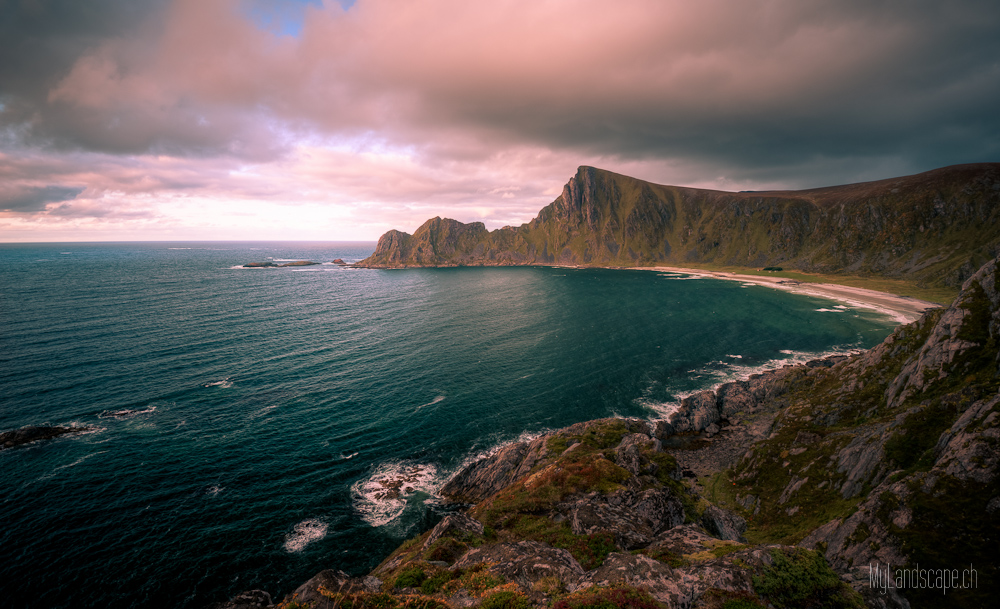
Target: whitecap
304 533
436 400
830 310
348 455
214 490
125 413
224 383
382 497
735 356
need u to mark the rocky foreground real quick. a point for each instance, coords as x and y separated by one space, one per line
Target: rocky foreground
783 490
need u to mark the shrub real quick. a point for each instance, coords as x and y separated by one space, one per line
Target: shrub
506 599
410 577
801 578
435 582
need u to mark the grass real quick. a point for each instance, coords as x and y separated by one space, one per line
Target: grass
614 597
900 287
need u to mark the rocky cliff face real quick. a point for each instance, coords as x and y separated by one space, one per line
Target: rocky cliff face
936 227
784 489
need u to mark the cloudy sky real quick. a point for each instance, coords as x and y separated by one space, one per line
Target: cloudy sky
332 120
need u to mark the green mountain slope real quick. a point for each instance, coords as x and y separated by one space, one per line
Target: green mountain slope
935 228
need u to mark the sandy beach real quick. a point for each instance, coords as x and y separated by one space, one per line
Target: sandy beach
901 308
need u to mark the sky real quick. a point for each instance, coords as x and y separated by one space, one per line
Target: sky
338 120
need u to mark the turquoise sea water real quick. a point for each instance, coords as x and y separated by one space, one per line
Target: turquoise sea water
245 416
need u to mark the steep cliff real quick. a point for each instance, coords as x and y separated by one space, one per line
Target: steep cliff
936 227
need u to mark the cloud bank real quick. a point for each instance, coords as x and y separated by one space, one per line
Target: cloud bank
246 119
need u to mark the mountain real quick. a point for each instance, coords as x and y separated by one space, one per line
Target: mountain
936 228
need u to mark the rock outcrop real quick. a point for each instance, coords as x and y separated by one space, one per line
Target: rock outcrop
936 228
34 433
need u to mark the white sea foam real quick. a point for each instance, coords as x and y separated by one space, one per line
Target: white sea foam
348 455
125 413
304 533
834 310
55 470
383 496
436 400
717 373
224 383
214 490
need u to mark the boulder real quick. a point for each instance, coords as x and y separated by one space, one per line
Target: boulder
334 581
526 562
634 518
724 524
454 523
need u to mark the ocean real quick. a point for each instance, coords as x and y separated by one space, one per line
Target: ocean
244 417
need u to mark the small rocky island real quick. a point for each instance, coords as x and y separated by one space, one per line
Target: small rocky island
272 264
799 487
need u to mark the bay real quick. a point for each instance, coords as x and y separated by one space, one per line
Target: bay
245 416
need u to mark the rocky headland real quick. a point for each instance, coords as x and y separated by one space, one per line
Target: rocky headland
791 488
934 228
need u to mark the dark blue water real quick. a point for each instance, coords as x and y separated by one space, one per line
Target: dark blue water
245 416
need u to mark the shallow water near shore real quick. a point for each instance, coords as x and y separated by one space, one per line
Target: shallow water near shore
250 421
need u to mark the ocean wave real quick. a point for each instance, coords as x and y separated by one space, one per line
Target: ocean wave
214 490
436 400
383 496
125 413
224 383
304 533
717 373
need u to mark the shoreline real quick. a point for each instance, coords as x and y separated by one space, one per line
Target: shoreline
902 309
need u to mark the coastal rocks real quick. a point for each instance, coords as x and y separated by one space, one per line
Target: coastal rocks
972 320
633 518
660 580
680 587
494 472
34 433
681 540
526 562
332 581
250 599
451 524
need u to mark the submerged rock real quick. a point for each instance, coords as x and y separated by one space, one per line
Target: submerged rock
33 433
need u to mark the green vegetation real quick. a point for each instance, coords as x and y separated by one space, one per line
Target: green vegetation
410 577
942 535
802 579
475 580
505 599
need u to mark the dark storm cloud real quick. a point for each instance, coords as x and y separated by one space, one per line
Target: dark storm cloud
490 106
35 198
